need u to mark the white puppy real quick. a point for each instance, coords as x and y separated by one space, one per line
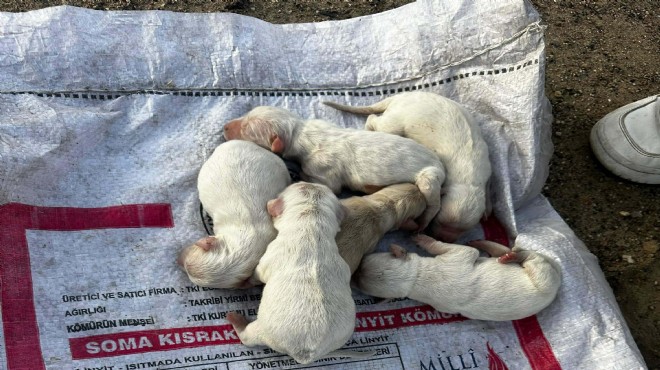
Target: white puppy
448 129
368 218
234 185
336 157
306 308
457 280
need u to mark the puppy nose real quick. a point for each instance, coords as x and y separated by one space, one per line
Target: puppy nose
182 258
206 243
232 130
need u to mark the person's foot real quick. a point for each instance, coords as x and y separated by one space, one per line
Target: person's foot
627 141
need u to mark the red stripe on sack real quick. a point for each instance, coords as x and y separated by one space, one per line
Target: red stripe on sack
533 342
127 343
494 360
19 320
403 317
494 231
115 217
535 345
120 344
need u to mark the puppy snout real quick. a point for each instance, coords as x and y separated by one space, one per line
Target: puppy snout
182 258
232 130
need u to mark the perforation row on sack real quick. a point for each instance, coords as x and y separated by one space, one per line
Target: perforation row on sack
239 92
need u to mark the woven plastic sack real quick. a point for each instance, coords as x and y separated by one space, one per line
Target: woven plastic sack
106 118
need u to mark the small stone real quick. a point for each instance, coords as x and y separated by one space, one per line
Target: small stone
624 213
650 246
621 243
558 133
558 93
628 258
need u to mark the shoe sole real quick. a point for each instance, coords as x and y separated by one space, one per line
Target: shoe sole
617 168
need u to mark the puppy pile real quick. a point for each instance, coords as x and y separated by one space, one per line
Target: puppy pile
425 167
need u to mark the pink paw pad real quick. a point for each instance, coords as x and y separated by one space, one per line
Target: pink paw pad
508 258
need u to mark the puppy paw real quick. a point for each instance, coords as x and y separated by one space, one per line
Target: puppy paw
422 239
509 258
398 251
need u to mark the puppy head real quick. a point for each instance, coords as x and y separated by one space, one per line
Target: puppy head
462 208
209 263
303 200
268 127
387 275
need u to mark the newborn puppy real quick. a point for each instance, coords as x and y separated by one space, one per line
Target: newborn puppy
336 157
457 280
368 218
448 129
234 185
306 308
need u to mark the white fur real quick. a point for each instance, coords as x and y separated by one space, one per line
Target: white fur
336 157
306 308
448 129
368 218
234 185
457 280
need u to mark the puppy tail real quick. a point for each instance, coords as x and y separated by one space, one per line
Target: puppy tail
376 108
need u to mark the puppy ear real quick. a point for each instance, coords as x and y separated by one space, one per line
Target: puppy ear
398 251
275 207
207 243
276 144
232 129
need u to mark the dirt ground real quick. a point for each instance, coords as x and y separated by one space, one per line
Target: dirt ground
601 55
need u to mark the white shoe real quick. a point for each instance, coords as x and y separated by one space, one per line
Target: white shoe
627 141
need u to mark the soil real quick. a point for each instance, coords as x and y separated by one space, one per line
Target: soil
600 55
